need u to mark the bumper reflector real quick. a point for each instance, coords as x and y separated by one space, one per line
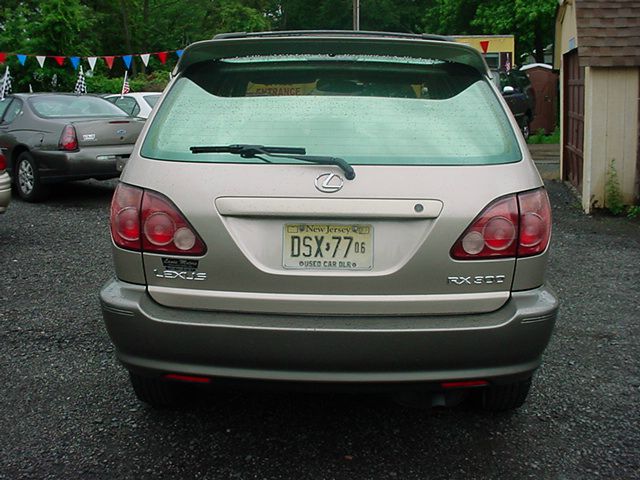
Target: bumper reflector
187 378
465 384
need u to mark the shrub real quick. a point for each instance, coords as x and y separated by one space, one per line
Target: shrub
612 194
153 82
541 137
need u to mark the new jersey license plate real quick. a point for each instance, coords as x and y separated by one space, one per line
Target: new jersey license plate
321 246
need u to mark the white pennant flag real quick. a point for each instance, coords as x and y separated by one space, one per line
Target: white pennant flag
40 59
92 62
145 58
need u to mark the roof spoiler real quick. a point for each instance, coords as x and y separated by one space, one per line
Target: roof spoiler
331 42
347 33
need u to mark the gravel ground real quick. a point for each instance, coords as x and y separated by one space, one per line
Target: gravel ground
67 410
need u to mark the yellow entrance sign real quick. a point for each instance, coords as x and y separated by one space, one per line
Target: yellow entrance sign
279 89
489 43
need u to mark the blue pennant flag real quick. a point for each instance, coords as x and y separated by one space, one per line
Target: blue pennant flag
21 58
127 60
75 61
179 53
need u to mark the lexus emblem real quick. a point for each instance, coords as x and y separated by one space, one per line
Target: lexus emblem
329 182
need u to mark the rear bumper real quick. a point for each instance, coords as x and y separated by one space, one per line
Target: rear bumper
152 339
88 162
5 191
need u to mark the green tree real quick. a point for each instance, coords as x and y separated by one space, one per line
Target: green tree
108 27
531 21
233 16
141 26
46 27
451 17
385 15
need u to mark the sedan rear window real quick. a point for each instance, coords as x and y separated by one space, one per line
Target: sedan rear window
151 99
68 106
367 110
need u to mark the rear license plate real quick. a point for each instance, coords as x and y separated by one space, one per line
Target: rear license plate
328 247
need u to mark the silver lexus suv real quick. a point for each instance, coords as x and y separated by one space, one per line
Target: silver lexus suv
331 208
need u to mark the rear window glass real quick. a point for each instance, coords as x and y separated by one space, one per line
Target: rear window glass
4 103
63 106
366 110
151 99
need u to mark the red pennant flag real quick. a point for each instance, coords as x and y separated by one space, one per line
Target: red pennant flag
162 56
3 57
485 46
59 60
109 61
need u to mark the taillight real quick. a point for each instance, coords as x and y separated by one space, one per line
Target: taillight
125 216
493 234
535 222
517 225
68 139
148 221
3 162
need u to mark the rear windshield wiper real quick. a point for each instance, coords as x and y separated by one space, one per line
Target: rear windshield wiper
297 153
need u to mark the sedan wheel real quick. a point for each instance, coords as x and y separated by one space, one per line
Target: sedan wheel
27 179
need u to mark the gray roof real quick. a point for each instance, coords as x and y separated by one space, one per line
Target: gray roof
608 32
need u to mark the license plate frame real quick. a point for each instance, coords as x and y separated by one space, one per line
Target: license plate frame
318 249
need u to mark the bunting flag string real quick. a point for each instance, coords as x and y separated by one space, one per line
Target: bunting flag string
108 59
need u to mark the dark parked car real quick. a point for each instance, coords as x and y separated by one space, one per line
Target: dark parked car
51 138
518 92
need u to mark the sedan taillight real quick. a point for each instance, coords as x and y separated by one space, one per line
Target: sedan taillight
513 226
68 139
147 221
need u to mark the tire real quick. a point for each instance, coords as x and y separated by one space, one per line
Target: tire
501 398
526 131
27 179
157 392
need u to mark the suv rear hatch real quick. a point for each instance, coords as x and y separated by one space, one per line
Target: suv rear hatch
431 146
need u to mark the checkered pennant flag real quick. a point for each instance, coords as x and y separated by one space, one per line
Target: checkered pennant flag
81 86
5 88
